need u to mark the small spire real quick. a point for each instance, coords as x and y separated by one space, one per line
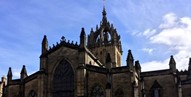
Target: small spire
104 18
10 72
104 12
92 30
82 32
172 64
44 45
189 69
108 58
23 72
137 65
130 60
189 64
44 38
172 61
82 38
129 56
9 75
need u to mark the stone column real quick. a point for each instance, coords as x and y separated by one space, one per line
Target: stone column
80 82
108 92
179 90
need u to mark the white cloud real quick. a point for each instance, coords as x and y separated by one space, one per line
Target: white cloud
148 33
147 50
155 65
174 33
170 20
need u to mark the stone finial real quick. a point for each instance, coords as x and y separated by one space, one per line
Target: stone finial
137 65
82 33
130 60
9 75
189 64
9 72
23 72
172 61
130 56
189 69
63 39
82 38
92 30
44 38
44 45
172 64
104 12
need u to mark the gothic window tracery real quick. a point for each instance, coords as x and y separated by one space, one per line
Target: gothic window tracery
63 80
32 94
97 91
156 89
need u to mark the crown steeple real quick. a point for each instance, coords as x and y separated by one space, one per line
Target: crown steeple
105 40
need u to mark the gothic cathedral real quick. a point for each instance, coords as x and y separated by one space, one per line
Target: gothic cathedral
93 68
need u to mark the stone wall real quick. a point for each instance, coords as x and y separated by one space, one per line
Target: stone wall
122 81
167 82
186 90
32 85
96 79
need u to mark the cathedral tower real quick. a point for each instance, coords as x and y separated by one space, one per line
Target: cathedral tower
104 40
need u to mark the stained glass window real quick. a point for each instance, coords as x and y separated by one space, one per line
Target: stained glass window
63 81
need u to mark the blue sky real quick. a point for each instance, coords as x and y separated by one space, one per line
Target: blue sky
152 29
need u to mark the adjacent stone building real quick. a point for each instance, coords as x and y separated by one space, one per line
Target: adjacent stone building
93 68
2 85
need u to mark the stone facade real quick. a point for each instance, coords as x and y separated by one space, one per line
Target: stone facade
2 85
94 69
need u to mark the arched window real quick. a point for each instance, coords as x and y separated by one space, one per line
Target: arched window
156 89
119 93
97 91
63 80
32 94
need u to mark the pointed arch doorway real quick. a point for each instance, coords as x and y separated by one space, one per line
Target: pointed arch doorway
63 80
